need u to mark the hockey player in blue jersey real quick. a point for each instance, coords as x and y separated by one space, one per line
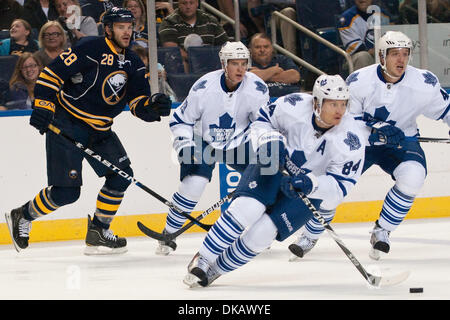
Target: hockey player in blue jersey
221 105
321 148
81 92
388 98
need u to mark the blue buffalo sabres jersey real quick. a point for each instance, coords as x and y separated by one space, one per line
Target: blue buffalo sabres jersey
93 82
333 158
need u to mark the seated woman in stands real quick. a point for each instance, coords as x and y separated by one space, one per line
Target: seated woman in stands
52 41
21 85
20 40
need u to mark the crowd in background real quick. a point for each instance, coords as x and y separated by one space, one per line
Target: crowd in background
34 32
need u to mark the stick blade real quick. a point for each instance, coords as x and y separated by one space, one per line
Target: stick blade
150 233
388 280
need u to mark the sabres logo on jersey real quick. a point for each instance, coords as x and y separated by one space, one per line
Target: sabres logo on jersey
114 87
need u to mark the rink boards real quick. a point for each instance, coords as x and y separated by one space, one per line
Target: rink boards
149 146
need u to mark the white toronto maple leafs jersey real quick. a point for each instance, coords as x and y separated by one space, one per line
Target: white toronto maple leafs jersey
220 117
417 93
335 157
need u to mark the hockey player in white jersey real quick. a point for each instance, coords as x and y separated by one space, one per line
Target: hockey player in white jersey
388 97
212 125
321 148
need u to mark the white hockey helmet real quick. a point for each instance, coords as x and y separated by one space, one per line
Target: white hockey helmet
234 50
393 39
329 87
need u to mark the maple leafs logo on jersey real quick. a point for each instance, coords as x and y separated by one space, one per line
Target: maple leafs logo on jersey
223 131
352 78
200 85
430 78
261 87
352 141
381 113
293 98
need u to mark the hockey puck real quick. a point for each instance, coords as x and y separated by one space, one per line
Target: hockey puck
415 290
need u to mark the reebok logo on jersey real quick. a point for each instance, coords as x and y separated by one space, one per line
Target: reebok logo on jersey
287 222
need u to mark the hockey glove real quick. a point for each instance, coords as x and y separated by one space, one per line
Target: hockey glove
41 117
385 134
291 186
161 104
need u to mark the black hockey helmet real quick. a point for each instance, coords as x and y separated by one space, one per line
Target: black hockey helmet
117 14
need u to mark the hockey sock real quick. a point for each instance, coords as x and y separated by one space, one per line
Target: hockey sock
235 256
224 232
108 202
175 220
395 207
40 206
185 200
254 241
313 228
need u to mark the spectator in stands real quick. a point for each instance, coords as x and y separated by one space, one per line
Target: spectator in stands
164 86
140 30
20 39
357 33
21 84
438 11
188 19
76 25
260 10
280 73
288 32
249 24
52 41
163 9
38 12
96 8
9 11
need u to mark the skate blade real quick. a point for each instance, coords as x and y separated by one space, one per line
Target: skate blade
100 250
191 281
10 229
294 258
163 250
375 254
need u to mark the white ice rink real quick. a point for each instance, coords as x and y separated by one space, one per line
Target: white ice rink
59 270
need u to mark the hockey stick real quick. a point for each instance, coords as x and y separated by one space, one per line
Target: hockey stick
373 280
437 140
124 175
171 236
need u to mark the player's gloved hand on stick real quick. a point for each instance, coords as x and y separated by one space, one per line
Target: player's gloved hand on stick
155 107
292 185
386 134
161 103
41 118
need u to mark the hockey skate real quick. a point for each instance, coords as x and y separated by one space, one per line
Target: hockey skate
379 241
301 247
19 228
101 241
165 247
200 273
